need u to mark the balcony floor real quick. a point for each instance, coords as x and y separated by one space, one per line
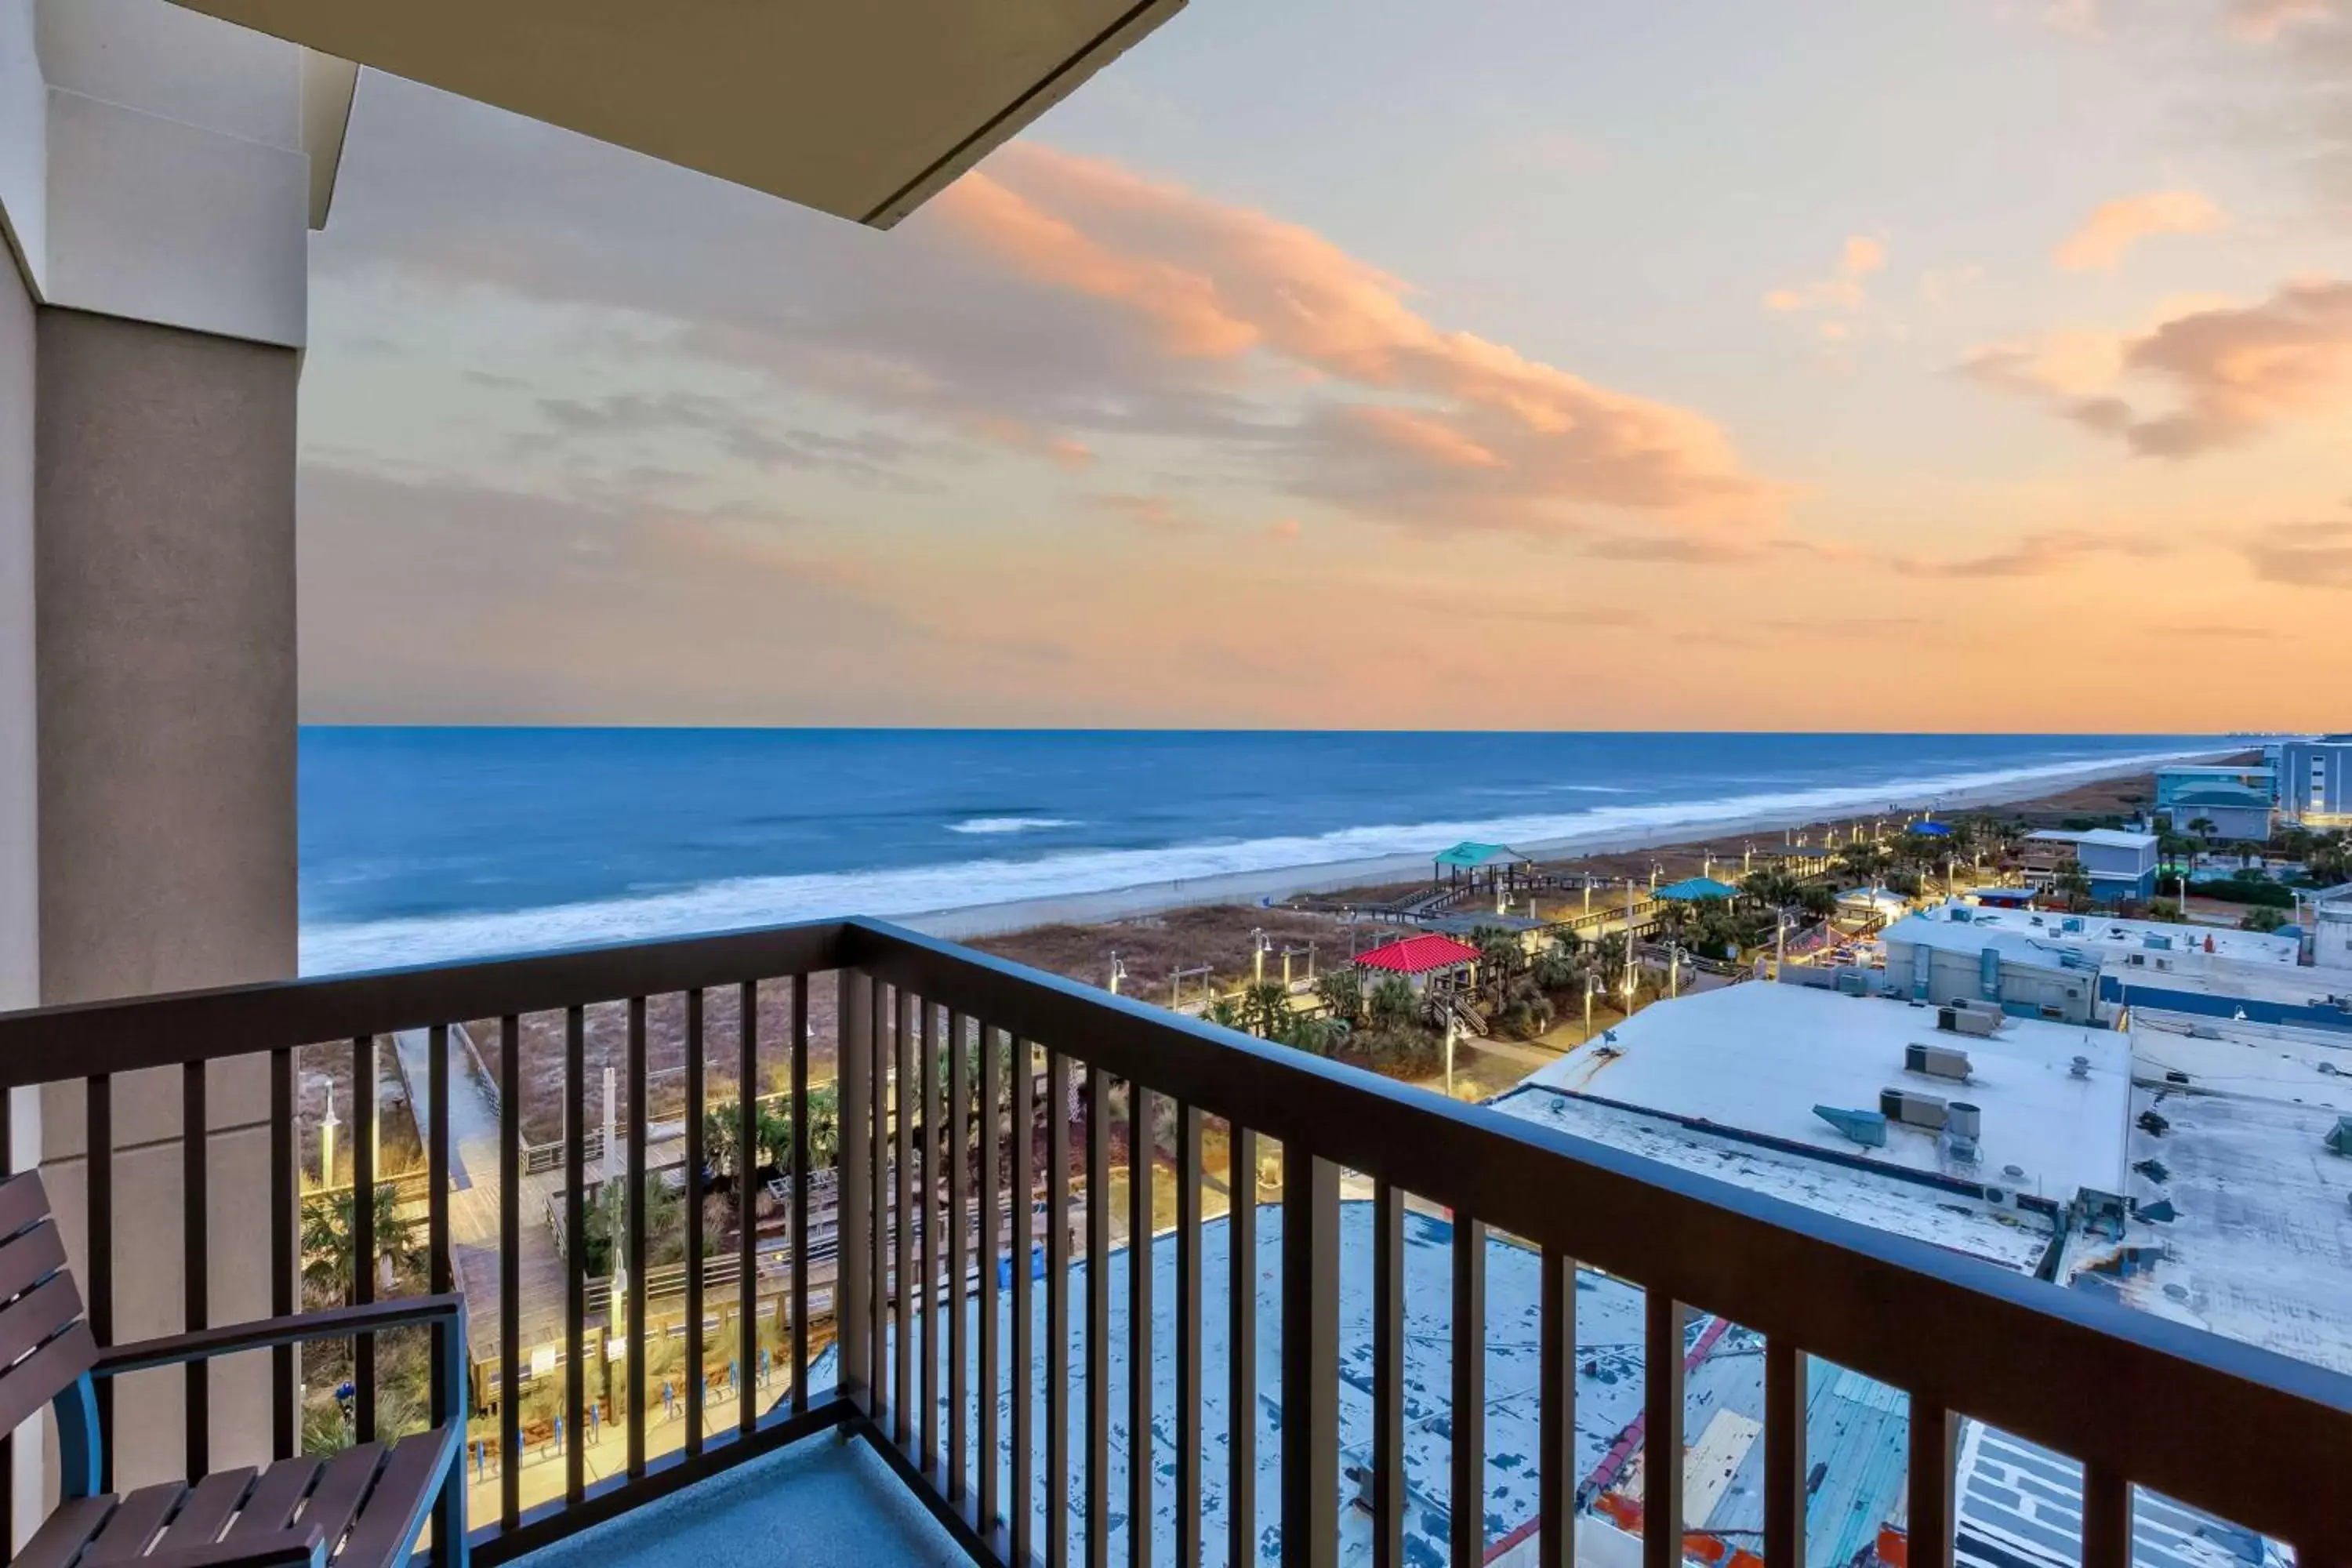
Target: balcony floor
820 1502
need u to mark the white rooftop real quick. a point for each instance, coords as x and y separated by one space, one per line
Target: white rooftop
1999 1235
2259 1246
2112 837
2036 936
1759 1057
2249 1060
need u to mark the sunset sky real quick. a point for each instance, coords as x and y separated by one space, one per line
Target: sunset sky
1973 365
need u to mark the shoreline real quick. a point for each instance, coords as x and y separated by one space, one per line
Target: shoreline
965 922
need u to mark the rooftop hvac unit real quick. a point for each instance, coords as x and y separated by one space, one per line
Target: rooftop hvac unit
1913 1109
1965 1121
2339 1138
1937 1061
1978 1022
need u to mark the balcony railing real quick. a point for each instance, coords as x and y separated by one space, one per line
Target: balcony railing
946 1063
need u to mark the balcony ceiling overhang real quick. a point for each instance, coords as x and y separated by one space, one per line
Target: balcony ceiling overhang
859 108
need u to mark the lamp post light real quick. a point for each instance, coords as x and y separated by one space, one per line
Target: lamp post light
1257 955
1118 971
327 1141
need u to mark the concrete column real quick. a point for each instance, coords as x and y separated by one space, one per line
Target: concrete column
164 658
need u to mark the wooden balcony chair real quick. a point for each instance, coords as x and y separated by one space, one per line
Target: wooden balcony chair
363 1508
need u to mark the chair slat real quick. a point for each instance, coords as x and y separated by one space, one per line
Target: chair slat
270 1508
37 1315
29 1256
336 1501
394 1511
134 1523
64 1533
206 1513
22 1200
40 1377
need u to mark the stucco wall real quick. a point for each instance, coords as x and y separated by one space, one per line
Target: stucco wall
164 567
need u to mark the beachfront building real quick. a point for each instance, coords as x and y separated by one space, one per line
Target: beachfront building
2238 814
2121 863
2315 781
1946 958
2006 1105
2186 778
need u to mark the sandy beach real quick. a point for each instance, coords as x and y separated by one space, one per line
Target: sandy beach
1272 885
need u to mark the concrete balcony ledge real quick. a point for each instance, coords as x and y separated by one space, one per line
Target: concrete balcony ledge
826 1499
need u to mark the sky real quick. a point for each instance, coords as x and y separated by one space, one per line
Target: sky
1887 364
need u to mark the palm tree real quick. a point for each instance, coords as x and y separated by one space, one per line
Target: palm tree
1500 954
2203 826
1393 1003
330 1242
1342 990
1266 1006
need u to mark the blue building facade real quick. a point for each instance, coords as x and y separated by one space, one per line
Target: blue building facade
2314 778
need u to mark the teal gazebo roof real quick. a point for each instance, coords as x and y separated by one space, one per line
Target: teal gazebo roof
1469 854
1691 889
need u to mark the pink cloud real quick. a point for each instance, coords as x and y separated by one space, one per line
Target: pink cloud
2261 21
1402 418
1843 289
2114 227
2228 374
2048 554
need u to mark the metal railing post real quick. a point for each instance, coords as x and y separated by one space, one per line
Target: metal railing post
854 1252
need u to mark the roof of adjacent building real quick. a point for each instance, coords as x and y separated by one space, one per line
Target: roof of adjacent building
2107 837
2031 936
1470 854
1758 1058
1419 954
2257 1248
2215 771
1690 890
1933 1213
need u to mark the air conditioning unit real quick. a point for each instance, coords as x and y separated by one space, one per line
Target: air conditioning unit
1913 1109
1939 1061
1981 1024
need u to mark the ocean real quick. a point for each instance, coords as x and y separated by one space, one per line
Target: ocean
420 844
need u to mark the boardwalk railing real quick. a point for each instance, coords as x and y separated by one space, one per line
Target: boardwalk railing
986 1379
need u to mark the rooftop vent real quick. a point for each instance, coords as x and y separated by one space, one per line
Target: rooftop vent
2080 1068
1939 1061
1867 1128
2340 1140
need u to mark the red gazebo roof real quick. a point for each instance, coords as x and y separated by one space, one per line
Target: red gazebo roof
1419 954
